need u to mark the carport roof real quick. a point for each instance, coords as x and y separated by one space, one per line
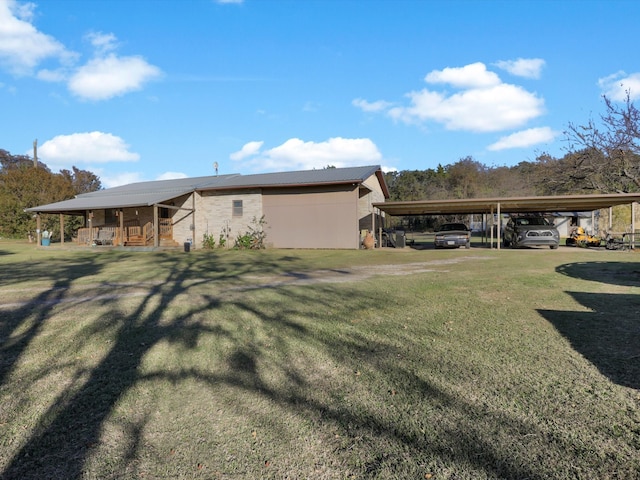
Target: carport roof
562 203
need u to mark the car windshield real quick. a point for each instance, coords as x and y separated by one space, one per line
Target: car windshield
448 227
532 221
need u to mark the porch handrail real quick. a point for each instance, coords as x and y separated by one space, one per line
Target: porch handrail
148 232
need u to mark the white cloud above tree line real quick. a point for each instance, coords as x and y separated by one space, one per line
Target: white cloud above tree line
296 154
524 139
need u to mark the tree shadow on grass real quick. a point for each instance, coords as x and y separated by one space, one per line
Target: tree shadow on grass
29 317
614 273
70 430
59 447
608 335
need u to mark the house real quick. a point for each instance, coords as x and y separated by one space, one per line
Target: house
326 208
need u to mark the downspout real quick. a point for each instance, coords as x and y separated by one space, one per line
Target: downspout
193 219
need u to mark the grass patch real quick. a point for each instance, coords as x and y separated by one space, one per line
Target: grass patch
465 364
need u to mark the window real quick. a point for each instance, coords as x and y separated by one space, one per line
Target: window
110 217
237 208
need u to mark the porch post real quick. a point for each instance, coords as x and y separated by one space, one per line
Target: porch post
61 229
38 229
373 225
121 215
156 227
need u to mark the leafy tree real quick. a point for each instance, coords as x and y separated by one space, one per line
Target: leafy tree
82 181
23 186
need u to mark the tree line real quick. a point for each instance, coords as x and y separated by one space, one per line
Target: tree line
602 156
25 184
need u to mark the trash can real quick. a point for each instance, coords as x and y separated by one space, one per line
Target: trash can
187 246
400 240
46 242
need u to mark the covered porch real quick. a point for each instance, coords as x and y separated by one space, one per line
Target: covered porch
144 226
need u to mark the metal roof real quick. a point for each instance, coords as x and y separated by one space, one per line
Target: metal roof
155 192
573 203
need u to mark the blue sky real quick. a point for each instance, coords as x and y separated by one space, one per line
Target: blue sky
137 90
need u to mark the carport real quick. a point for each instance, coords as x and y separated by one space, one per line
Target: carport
498 206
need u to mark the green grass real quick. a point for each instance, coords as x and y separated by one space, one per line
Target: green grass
462 364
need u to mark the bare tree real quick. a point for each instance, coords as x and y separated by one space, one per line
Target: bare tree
605 156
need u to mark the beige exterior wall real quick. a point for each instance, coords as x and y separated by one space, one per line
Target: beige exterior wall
312 217
214 214
370 192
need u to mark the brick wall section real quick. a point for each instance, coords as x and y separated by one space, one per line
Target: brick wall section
214 212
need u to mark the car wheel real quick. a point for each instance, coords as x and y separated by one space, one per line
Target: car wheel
553 247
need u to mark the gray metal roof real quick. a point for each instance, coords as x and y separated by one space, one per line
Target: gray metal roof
155 192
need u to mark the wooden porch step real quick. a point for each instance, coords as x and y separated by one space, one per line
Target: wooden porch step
135 241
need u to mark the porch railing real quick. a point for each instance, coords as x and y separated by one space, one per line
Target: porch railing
165 228
86 236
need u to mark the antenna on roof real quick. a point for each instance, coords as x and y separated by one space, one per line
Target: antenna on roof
215 167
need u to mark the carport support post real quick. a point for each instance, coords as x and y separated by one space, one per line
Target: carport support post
633 224
491 228
499 227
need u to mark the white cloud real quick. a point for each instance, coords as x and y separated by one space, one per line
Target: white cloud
102 42
23 49
365 106
85 148
474 75
524 139
171 175
110 76
523 67
115 180
496 108
481 102
295 154
22 46
248 149
616 86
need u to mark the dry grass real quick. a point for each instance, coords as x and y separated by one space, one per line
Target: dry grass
464 364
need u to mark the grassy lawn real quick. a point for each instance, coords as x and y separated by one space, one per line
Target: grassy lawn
412 364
